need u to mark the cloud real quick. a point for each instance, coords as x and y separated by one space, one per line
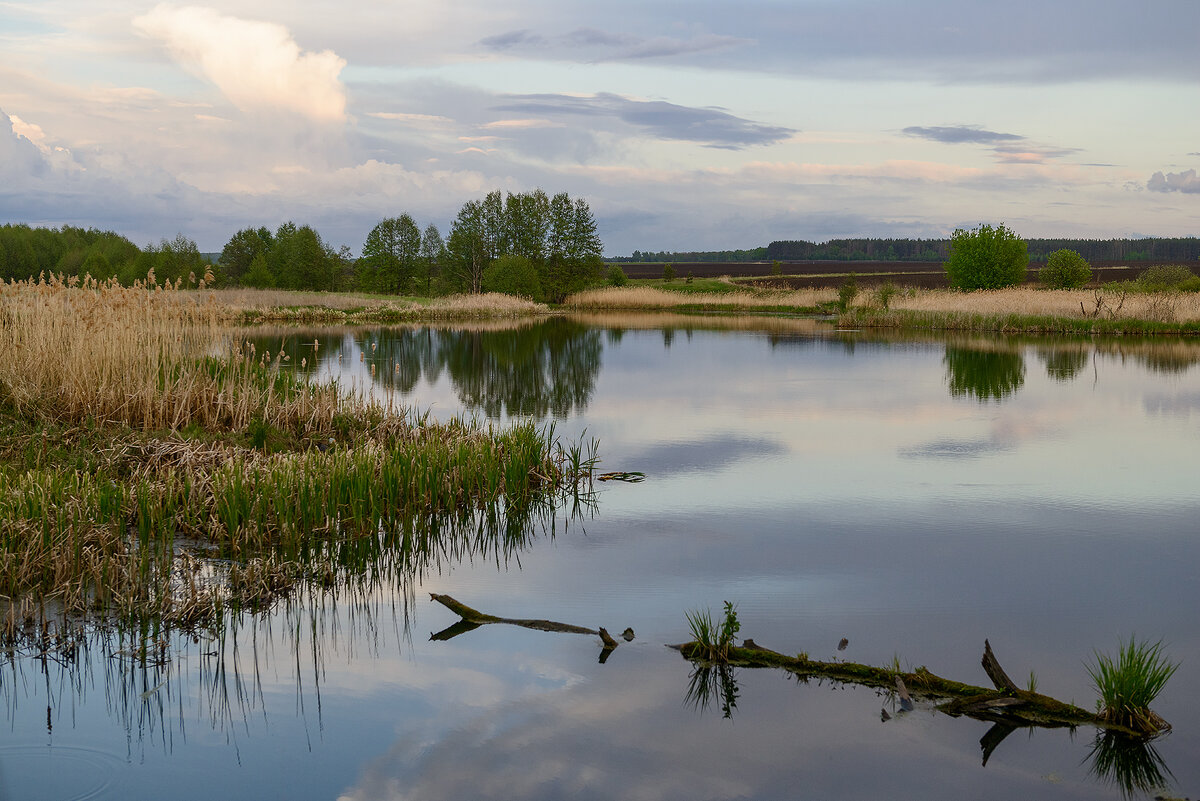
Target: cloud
618 46
413 118
1187 182
959 134
1031 154
1004 145
708 126
257 65
513 39
665 46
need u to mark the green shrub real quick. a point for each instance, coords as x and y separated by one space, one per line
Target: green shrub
847 292
777 267
513 275
1162 277
1190 285
1065 269
884 294
668 272
616 276
986 258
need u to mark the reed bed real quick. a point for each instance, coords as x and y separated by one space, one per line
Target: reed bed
1034 310
145 432
652 298
266 305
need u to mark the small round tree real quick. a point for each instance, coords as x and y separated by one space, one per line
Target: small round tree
986 258
1065 269
616 276
513 275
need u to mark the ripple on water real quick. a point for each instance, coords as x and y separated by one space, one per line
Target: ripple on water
57 772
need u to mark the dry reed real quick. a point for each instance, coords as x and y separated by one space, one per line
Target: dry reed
1026 301
652 298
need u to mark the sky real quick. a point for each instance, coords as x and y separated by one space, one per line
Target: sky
686 126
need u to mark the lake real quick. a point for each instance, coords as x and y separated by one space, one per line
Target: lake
911 494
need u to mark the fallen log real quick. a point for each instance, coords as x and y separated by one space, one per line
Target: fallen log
473 619
1014 707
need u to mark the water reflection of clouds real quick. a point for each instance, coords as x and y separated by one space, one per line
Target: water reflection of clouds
629 734
1183 404
1006 434
718 452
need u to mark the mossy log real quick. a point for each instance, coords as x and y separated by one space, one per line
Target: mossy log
1012 706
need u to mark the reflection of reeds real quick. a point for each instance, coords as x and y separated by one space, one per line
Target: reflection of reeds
655 321
709 683
1130 763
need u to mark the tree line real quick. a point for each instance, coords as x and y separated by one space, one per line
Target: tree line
930 250
525 243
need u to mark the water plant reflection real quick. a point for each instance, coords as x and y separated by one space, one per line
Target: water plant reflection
346 596
1130 763
713 683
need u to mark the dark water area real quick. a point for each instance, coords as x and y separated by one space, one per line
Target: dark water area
912 495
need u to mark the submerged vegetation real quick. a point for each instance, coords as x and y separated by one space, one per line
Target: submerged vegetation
158 464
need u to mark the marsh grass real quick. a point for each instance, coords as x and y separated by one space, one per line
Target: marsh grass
262 305
141 432
1129 684
1024 309
715 639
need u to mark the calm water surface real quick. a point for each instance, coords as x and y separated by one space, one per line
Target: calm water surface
911 495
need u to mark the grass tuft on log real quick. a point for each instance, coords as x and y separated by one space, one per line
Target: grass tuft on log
1128 684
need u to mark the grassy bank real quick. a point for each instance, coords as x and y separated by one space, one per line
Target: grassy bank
155 465
1028 310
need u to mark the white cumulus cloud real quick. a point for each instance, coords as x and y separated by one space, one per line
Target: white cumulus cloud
256 64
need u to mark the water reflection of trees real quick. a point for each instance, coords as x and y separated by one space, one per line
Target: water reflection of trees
548 368
1064 362
986 375
529 369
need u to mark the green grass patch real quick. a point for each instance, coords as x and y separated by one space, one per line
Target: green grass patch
1129 684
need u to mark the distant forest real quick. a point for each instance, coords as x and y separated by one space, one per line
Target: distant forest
1149 249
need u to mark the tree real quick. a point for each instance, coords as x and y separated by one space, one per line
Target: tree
986 258
433 253
259 274
242 249
1065 269
513 274
467 249
300 260
390 255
